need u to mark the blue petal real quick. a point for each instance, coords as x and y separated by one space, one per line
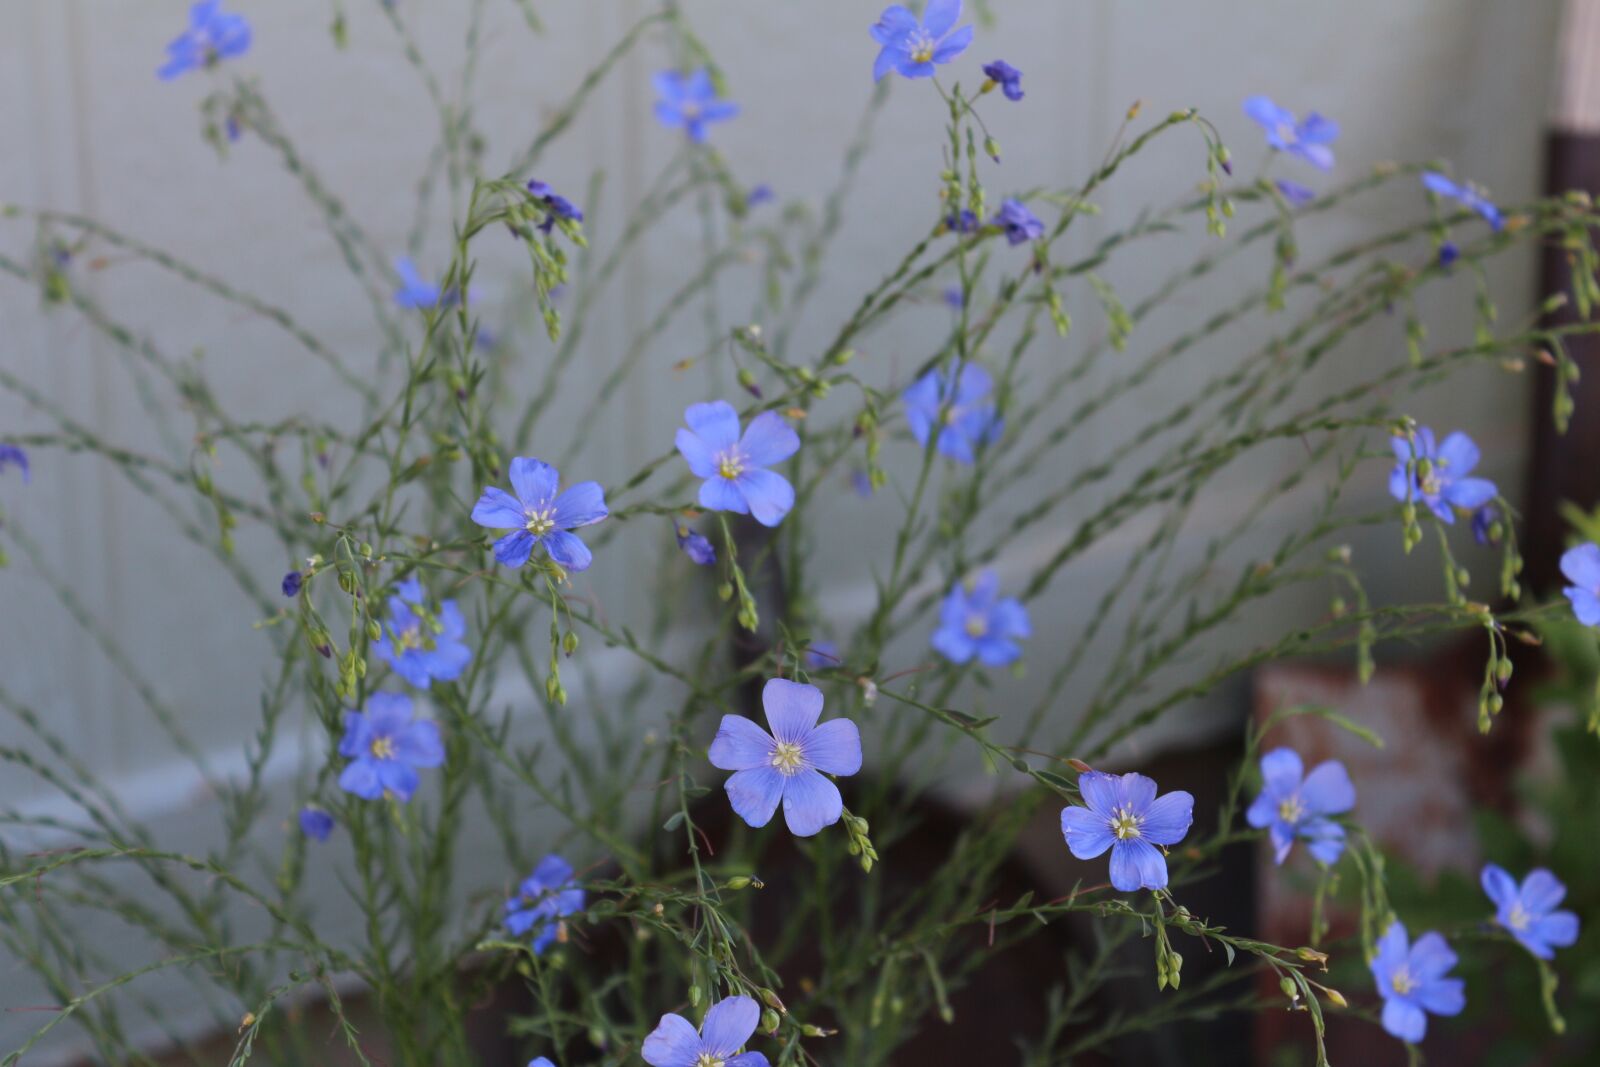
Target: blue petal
673 1043
1318 155
1444 996
1458 455
1137 864
1088 835
1100 791
1542 891
552 872
1318 129
568 550
792 708
955 444
1282 837
728 1025
357 735
1438 183
388 713
747 1059
1393 949
995 651
716 423
1327 790
700 456
498 510
1325 840
895 22
740 745
1430 957
1404 1020
582 505
768 494
1168 818
954 644
361 779
418 743
1135 792
953 45
1585 605
810 802
1581 565
397 779
1559 928
1470 493
1499 885
1263 811
1268 114
1281 769
939 15
514 548
888 58
769 439
534 480
834 747
1010 618
754 794
719 494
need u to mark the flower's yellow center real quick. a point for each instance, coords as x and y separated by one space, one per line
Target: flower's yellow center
1519 919
730 464
1431 484
1125 824
1291 809
786 757
1401 981
541 520
977 626
383 748
708 1059
1286 133
919 46
411 638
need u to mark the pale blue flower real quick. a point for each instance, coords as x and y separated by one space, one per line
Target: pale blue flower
213 35
1411 980
414 290
418 645
1439 476
979 622
690 100
539 515
728 1025
734 467
1469 196
1528 911
913 49
1294 804
959 405
385 746
1581 566
544 898
1125 815
1309 139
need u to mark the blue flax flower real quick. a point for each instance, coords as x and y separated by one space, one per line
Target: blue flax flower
959 406
728 1025
1470 196
1309 139
1296 194
538 515
1411 980
418 646
963 221
979 622
696 546
556 206
690 100
213 35
385 746
1007 77
542 1061
544 898
1442 483
315 823
913 49
1529 911
1019 224
734 467
1295 804
13 456
1581 565
787 765
414 291
1125 815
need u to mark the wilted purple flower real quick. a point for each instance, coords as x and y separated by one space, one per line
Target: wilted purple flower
1125 815
419 645
979 622
1581 565
386 746
1309 139
1294 804
1020 224
556 206
861 482
959 406
1411 980
1469 196
1529 911
14 456
1439 476
1007 77
315 823
695 546
414 291
734 467
213 35
728 1025
544 898
1297 194
913 49
690 100
1484 521
292 583
963 221
787 765
537 515
759 195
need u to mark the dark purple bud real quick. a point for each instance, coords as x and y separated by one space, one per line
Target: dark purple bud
292 583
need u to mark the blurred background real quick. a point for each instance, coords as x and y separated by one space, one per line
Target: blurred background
89 129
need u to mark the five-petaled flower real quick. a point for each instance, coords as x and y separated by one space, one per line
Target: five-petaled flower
1309 139
1529 912
1439 473
419 645
1411 980
385 746
414 291
1125 815
959 406
695 545
14 456
1020 224
1581 565
213 35
538 515
979 622
914 48
1007 77
690 100
787 764
556 206
315 823
728 1025
1469 196
1295 804
544 898
734 467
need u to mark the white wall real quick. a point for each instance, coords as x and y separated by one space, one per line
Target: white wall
88 128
